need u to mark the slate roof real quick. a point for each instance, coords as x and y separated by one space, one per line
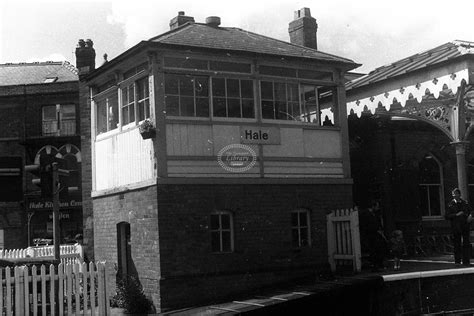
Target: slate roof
442 53
36 73
235 39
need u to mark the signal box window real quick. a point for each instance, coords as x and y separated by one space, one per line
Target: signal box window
222 239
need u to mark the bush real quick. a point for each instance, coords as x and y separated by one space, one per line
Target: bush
130 296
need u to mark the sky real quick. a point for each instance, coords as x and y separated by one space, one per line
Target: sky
371 33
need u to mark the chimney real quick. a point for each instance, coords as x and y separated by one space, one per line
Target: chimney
213 21
85 56
303 29
180 20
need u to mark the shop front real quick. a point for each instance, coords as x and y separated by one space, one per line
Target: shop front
40 220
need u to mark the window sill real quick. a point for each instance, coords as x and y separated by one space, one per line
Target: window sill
432 218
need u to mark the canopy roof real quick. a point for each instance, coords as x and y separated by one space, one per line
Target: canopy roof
427 73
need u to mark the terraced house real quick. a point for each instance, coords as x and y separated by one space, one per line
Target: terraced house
215 155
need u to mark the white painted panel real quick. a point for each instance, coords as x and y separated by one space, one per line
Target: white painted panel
205 168
188 140
291 144
123 159
303 169
224 135
322 143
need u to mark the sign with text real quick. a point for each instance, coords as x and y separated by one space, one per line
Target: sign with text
260 135
44 205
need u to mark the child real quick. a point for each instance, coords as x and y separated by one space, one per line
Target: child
397 247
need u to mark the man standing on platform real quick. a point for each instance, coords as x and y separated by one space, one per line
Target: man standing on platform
459 213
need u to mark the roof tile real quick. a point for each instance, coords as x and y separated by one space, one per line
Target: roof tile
36 73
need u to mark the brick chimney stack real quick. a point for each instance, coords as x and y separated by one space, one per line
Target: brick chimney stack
180 20
85 56
303 29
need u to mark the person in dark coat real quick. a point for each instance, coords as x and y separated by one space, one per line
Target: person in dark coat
459 213
377 241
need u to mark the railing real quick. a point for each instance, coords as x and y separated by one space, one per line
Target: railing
65 289
344 239
67 253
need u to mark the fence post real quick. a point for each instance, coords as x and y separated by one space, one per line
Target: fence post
331 241
356 241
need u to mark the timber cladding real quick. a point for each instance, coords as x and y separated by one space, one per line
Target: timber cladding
171 236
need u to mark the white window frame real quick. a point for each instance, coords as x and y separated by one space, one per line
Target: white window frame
440 190
221 230
299 227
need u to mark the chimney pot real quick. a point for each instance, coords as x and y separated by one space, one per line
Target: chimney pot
213 21
85 56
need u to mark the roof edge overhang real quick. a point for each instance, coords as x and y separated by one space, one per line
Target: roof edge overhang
344 66
448 74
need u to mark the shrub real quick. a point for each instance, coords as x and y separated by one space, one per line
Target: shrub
130 296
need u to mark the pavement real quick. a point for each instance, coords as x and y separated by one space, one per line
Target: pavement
410 268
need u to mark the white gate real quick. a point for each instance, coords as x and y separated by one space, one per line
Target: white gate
344 239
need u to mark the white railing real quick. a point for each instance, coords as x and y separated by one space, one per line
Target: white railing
66 289
344 239
67 253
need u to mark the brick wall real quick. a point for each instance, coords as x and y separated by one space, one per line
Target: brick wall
183 261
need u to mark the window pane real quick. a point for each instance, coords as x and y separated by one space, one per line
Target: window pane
187 106
172 105
303 219
113 111
304 237
219 105
248 109
316 75
233 89
186 86
132 112
225 221
201 87
49 113
280 111
266 88
280 91
435 208
277 71
185 62
67 111
125 116
233 108
424 201
101 121
202 107
267 110
226 242
171 84
246 87
294 219
218 87
229 66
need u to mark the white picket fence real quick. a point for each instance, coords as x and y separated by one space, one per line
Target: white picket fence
68 253
68 289
344 239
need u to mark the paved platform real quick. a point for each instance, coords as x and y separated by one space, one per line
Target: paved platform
321 290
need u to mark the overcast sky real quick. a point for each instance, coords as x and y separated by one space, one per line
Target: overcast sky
372 33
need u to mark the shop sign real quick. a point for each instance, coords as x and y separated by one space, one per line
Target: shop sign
237 158
260 135
48 205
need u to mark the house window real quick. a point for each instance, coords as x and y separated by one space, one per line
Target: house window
300 229
431 193
232 98
107 113
222 239
128 104
186 95
59 119
143 96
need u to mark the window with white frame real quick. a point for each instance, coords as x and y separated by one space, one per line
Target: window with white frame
300 228
186 95
222 239
232 98
128 104
430 188
143 98
59 119
107 118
